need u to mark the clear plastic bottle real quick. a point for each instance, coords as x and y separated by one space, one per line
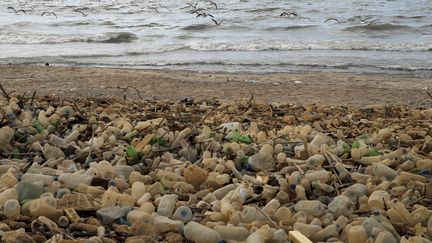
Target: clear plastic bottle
200 233
72 180
235 233
12 208
310 207
8 194
167 204
183 213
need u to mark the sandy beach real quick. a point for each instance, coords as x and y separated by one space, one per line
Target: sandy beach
328 88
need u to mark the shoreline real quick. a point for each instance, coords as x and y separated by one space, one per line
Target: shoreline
300 88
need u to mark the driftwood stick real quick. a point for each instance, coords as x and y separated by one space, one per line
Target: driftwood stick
5 94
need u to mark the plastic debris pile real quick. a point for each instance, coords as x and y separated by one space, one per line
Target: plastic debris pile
98 170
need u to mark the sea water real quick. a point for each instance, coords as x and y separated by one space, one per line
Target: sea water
380 36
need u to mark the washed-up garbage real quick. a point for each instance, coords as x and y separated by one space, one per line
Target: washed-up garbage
105 170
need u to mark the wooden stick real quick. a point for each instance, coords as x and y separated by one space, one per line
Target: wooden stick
266 215
5 94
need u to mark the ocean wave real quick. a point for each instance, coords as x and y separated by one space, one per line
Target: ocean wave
38 38
288 45
293 27
379 27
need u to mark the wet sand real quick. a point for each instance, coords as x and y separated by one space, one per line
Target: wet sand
329 88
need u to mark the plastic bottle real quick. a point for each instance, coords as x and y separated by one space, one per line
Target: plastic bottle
183 213
33 177
310 207
135 216
261 235
341 205
165 224
44 207
357 234
72 180
138 190
271 207
385 237
112 197
8 194
319 175
378 199
381 170
12 208
235 233
200 233
63 221
250 214
263 160
167 204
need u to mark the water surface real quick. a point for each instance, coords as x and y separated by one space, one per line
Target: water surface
372 36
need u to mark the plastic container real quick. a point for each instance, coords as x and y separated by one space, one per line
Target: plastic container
378 199
138 190
135 216
315 161
200 233
183 213
235 233
44 207
167 204
271 207
12 208
8 194
165 224
357 234
341 205
72 180
261 235
385 237
63 221
307 229
250 214
310 207
112 198
263 160
380 170
33 177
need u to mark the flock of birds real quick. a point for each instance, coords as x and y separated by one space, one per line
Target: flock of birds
200 11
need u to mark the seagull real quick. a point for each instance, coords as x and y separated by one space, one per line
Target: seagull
293 14
155 9
211 2
16 11
290 13
334 19
193 6
166 8
78 11
49 14
204 15
217 23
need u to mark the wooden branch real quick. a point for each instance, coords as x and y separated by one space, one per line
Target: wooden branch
5 94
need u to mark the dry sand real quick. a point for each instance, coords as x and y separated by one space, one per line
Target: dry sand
329 88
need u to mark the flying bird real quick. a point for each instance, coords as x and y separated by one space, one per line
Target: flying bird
289 13
330 19
216 22
193 5
78 11
49 14
16 11
204 15
214 4
155 9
